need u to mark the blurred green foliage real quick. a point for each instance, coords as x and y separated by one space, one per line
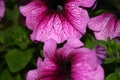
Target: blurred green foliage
18 54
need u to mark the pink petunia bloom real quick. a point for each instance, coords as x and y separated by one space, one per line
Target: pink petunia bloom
105 26
71 62
56 19
2 8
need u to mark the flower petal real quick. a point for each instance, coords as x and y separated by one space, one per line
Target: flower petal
74 42
77 16
81 72
33 10
105 26
79 55
98 73
85 3
2 8
72 45
118 28
84 55
32 75
47 70
96 22
55 27
101 53
84 72
39 62
49 48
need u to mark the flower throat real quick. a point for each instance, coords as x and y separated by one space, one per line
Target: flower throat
55 5
66 67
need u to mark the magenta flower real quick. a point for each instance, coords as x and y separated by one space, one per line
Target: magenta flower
2 8
56 19
101 53
72 62
106 25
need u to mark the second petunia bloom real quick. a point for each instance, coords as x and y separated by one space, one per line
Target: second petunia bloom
56 19
105 25
71 62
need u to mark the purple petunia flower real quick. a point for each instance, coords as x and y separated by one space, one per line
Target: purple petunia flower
71 62
2 8
101 53
106 25
56 19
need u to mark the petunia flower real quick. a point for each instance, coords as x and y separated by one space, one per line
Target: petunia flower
71 62
101 53
2 8
56 19
106 25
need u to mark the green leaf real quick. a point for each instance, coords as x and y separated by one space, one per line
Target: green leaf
17 59
4 37
117 70
112 48
17 77
6 75
41 53
109 60
98 12
14 17
20 37
113 76
91 42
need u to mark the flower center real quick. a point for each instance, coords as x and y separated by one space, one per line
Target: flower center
66 67
55 5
